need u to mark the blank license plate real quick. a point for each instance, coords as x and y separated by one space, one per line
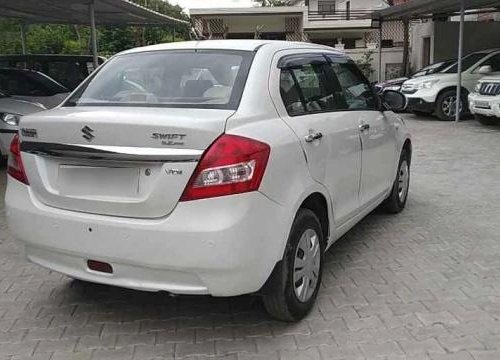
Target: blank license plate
482 104
90 181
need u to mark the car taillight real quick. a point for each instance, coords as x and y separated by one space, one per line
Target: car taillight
231 165
15 166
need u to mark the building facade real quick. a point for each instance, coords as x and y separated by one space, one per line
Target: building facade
343 24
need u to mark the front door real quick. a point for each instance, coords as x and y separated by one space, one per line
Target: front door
377 134
306 99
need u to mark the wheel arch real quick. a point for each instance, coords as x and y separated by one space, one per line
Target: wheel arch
448 88
408 146
318 204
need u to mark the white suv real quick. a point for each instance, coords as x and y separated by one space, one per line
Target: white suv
215 167
437 93
484 102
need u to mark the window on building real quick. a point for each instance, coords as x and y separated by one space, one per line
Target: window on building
326 7
387 43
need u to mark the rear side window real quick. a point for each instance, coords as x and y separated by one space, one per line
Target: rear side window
212 79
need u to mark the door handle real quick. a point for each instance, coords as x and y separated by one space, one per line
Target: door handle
313 136
364 127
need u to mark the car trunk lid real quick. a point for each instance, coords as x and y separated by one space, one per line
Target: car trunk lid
118 161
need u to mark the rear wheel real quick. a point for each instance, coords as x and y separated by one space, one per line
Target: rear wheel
396 201
487 120
446 105
294 286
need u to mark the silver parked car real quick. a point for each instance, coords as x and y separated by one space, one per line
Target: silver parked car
11 110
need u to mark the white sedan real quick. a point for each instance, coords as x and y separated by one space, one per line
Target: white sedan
153 177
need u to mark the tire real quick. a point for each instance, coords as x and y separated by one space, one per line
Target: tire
282 295
487 120
445 105
396 201
420 113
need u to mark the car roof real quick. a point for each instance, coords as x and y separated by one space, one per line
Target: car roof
486 51
13 70
48 56
241 45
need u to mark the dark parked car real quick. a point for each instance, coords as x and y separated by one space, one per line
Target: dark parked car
69 70
395 84
32 86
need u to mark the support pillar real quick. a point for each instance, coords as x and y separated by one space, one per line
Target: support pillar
93 34
23 39
380 35
406 46
460 55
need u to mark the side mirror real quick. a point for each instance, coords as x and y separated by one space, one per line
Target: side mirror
393 100
485 70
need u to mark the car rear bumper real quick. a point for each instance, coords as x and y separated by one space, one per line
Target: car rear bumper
484 105
223 246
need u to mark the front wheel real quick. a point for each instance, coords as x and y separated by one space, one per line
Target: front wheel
294 286
396 201
446 105
486 120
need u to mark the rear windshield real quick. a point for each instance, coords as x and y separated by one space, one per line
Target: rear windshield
29 83
467 62
191 78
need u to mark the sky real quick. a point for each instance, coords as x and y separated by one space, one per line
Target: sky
194 4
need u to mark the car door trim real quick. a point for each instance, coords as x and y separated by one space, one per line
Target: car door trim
119 153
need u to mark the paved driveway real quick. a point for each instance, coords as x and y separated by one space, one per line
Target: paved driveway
424 284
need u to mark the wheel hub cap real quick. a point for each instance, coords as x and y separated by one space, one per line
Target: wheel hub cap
449 106
403 181
306 265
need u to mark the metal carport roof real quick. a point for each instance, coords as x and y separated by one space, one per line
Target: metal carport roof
420 8
83 12
107 12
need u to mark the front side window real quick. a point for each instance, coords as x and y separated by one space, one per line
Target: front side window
190 78
305 89
467 63
494 62
357 92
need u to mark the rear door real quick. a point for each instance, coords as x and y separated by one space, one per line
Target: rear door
308 103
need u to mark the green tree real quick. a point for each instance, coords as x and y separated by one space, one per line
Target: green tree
70 39
365 64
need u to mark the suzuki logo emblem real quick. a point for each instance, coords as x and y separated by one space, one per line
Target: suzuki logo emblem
88 133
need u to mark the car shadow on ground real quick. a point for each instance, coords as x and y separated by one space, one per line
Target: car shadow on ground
188 312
